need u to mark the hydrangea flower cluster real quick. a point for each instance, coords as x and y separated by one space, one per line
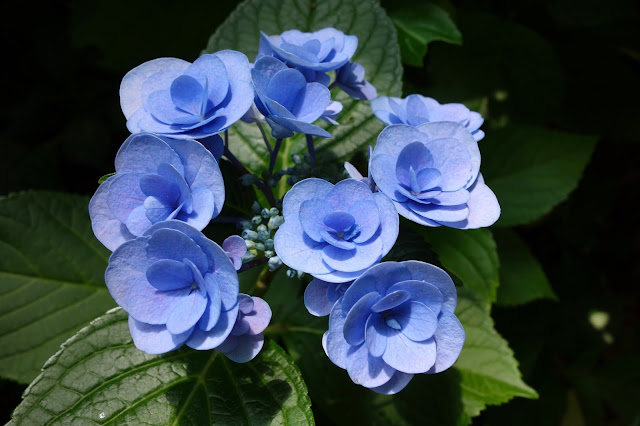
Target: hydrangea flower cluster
388 321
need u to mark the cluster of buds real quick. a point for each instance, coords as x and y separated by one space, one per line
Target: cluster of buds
258 235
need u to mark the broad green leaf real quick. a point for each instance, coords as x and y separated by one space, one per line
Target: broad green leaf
522 279
469 254
418 26
532 169
488 370
378 52
99 376
51 278
485 374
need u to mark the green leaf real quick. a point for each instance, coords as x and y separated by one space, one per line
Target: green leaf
105 177
51 278
469 254
532 169
98 376
489 372
418 26
378 52
522 279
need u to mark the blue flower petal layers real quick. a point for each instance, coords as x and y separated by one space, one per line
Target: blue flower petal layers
335 232
178 287
288 102
176 98
395 321
416 109
156 179
432 174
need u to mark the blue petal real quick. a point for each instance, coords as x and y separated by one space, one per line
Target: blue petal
415 155
161 106
452 159
417 321
126 264
421 291
383 171
361 257
395 385
391 300
366 370
449 337
433 275
304 190
188 94
155 339
173 244
389 221
458 197
145 152
110 231
408 356
439 213
235 245
297 250
186 312
375 335
211 69
378 278
169 172
394 138
346 192
406 212
300 126
312 102
286 88
137 222
205 340
484 209
263 71
150 305
312 213
367 217
247 348
161 188
204 208
167 274
212 311
356 319
131 86
333 342
124 194
315 298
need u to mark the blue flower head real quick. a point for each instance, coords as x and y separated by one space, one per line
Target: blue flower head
156 179
288 102
325 50
176 98
246 338
395 321
431 172
416 109
335 232
178 287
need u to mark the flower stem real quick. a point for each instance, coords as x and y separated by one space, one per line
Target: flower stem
274 155
311 149
266 190
226 219
332 85
264 137
263 282
253 264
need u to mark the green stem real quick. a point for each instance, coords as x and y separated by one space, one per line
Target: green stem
274 155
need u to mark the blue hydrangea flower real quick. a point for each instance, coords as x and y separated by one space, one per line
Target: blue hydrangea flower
416 109
335 232
325 50
431 172
288 102
395 321
350 78
246 338
156 179
176 98
236 248
178 287
319 296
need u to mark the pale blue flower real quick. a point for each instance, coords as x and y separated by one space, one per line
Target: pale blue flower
156 179
432 174
416 109
395 321
335 232
178 287
176 98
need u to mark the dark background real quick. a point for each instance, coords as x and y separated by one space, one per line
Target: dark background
567 65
